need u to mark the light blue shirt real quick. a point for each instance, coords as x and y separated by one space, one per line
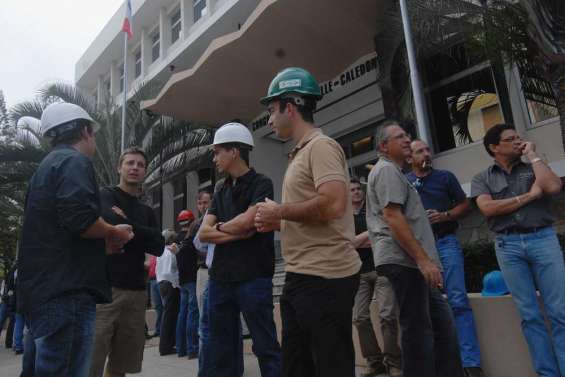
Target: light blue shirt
204 247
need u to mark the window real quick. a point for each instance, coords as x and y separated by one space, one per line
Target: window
463 102
176 26
155 46
539 111
359 142
107 86
199 9
122 77
537 92
137 57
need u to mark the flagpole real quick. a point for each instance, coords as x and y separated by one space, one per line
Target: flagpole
124 104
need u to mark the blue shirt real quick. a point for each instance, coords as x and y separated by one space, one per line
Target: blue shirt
439 190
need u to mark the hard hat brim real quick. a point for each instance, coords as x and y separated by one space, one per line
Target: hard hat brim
265 100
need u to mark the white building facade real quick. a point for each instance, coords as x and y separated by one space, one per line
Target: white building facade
216 57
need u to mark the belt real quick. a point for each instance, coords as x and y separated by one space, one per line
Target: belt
521 230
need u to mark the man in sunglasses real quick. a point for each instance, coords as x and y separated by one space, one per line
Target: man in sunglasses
445 202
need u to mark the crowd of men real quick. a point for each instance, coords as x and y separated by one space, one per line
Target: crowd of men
81 280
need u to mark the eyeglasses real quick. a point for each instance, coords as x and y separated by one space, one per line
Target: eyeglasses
511 139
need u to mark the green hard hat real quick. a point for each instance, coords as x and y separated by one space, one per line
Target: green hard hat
293 80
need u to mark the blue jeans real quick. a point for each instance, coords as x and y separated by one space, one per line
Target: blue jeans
526 260
18 343
157 302
63 334
187 321
451 257
429 338
28 360
253 298
204 334
3 315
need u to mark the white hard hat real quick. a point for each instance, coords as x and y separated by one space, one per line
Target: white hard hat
60 113
233 133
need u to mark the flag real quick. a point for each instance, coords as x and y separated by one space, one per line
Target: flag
127 25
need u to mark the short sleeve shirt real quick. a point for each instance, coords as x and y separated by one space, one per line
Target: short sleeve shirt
439 190
322 249
497 183
250 258
388 185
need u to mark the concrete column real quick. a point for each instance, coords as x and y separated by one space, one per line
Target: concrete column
145 52
130 70
187 16
114 80
168 206
192 185
164 32
100 92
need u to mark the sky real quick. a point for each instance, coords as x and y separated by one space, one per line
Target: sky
41 40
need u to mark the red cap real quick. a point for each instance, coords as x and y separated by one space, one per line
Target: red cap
185 216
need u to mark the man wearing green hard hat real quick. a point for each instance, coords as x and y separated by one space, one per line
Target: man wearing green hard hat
315 219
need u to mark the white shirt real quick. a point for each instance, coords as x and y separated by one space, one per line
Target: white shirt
204 247
166 269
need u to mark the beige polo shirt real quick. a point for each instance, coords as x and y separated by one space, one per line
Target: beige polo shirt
322 249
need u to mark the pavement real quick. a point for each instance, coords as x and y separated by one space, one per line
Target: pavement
153 364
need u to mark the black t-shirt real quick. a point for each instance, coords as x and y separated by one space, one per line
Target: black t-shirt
62 202
187 258
249 258
127 270
366 254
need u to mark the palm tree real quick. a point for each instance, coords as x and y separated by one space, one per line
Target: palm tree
163 138
528 33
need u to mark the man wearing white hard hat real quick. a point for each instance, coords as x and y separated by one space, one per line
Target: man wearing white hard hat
62 255
242 272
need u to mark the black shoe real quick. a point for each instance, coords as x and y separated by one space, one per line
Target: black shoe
172 351
192 356
474 372
19 352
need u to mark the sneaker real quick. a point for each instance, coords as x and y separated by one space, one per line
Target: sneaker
394 372
373 370
473 372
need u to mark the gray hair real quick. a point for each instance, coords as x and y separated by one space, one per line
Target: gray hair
169 235
381 136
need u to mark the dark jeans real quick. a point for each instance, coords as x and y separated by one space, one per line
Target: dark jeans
429 339
4 313
316 326
253 298
19 325
204 335
61 334
187 321
28 360
170 296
